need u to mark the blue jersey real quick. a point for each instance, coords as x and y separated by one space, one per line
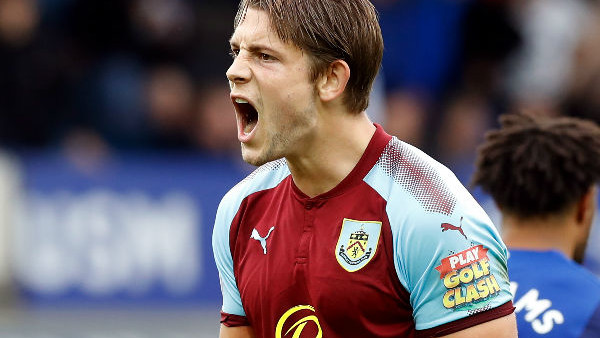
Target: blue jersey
554 296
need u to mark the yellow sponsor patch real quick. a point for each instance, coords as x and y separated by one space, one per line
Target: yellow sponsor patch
295 321
467 278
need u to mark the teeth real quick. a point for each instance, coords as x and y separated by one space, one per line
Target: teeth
238 100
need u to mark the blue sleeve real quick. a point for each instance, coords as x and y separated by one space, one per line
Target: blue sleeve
232 303
448 255
265 177
454 273
592 329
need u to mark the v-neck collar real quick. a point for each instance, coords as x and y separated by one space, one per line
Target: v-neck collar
368 159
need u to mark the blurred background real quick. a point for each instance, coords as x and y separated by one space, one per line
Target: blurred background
118 139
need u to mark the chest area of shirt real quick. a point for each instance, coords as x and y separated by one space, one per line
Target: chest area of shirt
334 256
326 240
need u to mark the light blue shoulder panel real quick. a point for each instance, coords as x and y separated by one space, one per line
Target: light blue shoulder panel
448 255
265 177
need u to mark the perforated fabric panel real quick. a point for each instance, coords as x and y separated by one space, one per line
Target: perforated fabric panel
413 172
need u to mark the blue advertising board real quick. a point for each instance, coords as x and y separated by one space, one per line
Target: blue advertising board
134 229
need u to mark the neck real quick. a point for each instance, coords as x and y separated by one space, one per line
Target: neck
335 150
540 234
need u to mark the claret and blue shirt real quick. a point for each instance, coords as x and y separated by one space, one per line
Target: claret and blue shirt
399 248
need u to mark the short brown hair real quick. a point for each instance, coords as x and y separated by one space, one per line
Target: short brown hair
538 166
330 30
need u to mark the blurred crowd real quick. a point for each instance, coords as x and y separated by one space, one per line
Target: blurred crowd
451 67
115 74
149 74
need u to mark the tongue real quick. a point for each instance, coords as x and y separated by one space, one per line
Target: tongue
249 127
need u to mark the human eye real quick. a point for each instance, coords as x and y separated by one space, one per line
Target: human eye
266 57
234 52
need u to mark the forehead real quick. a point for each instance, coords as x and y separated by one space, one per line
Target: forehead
255 27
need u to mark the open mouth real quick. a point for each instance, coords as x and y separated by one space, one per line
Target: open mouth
247 114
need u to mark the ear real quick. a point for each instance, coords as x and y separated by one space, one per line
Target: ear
587 206
332 84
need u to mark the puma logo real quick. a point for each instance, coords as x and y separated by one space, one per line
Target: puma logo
448 226
263 240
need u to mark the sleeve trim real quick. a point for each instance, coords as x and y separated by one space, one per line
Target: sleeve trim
461 324
230 320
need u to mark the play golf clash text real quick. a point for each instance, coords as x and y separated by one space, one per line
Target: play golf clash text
467 277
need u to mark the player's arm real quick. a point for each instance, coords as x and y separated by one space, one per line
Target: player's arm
233 317
236 332
504 327
455 269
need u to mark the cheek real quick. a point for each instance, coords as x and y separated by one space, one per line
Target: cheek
285 97
300 94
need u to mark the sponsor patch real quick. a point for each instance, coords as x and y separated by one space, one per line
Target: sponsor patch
357 243
468 279
299 321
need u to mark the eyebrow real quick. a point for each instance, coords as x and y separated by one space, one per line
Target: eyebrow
255 48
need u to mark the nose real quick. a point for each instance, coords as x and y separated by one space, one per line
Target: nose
238 72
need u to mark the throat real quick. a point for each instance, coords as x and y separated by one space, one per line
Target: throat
314 180
331 157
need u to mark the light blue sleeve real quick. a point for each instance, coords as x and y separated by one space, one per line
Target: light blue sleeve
450 274
265 177
232 303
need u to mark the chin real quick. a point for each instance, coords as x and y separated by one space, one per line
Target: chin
253 158
258 158
254 162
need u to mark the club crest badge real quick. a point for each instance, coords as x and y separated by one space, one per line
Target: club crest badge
357 243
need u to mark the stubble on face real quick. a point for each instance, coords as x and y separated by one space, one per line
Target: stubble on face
288 130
